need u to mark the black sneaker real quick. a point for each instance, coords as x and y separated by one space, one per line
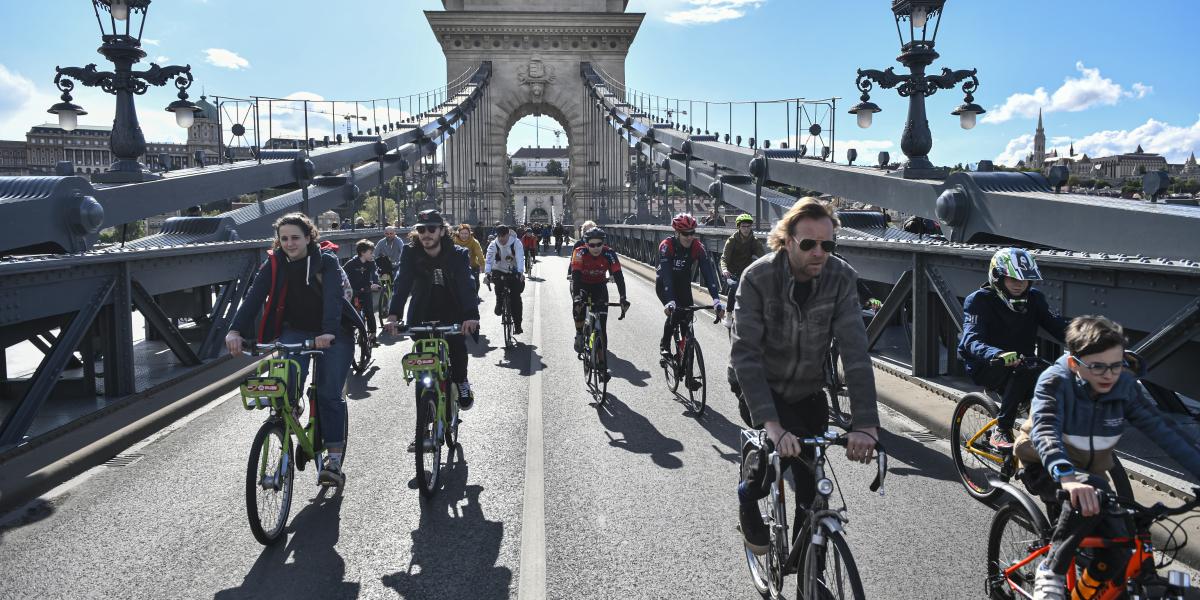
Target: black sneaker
331 472
465 398
579 343
498 309
517 329
754 532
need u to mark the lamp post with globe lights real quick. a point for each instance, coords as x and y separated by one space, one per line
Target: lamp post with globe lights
123 48
921 19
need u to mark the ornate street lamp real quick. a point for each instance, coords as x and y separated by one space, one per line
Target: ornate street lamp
123 49
916 52
473 215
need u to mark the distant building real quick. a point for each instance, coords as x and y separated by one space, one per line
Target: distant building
13 158
1112 169
538 199
537 159
87 146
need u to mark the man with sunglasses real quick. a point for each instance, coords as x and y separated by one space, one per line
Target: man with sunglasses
791 303
740 250
590 267
678 256
437 274
505 264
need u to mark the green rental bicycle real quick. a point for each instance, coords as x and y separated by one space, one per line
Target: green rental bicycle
437 407
274 457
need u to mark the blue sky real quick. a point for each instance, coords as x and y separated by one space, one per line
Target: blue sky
1109 76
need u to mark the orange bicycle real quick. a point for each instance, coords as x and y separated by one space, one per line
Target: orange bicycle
1020 537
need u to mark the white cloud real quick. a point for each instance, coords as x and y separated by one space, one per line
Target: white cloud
1172 141
1016 150
704 12
151 42
23 105
1074 95
162 60
226 58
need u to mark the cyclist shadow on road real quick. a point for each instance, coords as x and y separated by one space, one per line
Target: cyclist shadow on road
481 348
358 386
455 548
639 435
623 369
516 358
921 459
723 430
316 567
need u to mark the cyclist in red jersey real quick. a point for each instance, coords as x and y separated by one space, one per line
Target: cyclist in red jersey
590 267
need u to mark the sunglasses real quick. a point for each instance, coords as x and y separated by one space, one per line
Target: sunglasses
829 246
687 233
595 245
1100 369
427 229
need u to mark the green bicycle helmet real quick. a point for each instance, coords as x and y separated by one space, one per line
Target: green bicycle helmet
744 218
1018 264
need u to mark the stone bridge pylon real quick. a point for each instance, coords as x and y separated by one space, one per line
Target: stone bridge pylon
536 47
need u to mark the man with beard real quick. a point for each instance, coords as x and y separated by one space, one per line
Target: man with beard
437 274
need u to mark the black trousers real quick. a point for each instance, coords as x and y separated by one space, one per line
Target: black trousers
683 297
808 418
1015 386
1072 527
595 294
514 285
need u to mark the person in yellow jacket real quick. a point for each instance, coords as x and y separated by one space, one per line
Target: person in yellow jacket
466 240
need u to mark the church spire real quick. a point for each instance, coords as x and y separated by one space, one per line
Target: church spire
1039 144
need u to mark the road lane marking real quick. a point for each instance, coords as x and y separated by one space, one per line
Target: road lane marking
532 585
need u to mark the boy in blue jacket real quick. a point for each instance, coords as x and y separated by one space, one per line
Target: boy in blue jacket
1079 412
1000 322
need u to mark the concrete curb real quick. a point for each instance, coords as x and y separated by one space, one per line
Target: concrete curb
29 472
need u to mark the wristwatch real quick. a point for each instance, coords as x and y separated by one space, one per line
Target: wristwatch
1061 470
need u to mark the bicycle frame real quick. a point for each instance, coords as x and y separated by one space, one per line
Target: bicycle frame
972 449
427 365
819 512
1143 554
271 388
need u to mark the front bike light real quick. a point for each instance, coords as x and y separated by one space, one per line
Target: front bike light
427 381
825 486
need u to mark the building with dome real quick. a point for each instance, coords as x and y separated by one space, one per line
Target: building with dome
1112 169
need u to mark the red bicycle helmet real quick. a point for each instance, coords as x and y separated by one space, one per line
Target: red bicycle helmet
684 222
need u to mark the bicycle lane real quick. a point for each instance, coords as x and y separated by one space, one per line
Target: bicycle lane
173 522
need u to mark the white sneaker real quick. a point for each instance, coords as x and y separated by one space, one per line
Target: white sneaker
729 321
1047 585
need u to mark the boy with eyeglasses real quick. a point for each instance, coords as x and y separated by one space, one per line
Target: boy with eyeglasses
1080 408
678 256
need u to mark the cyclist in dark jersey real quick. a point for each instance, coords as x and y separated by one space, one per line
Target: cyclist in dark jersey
590 267
677 258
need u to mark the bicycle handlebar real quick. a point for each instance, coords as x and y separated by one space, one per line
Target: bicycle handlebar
697 307
1024 362
430 327
1118 506
305 347
842 440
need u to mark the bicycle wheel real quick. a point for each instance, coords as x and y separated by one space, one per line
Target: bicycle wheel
506 319
671 366
760 566
835 388
269 484
429 452
695 379
385 302
1013 536
599 360
970 429
829 571
452 418
362 351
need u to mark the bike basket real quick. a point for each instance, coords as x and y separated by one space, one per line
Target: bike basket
416 362
271 383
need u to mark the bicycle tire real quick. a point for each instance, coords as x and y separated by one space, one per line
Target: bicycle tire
694 361
758 565
506 319
973 470
1005 548
835 388
817 574
671 368
427 480
362 351
452 418
272 531
385 302
599 359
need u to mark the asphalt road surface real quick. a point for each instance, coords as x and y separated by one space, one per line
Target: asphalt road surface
634 499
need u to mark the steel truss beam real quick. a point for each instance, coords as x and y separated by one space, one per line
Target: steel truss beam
969 205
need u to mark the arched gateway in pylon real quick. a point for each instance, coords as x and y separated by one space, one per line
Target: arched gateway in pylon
536 47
